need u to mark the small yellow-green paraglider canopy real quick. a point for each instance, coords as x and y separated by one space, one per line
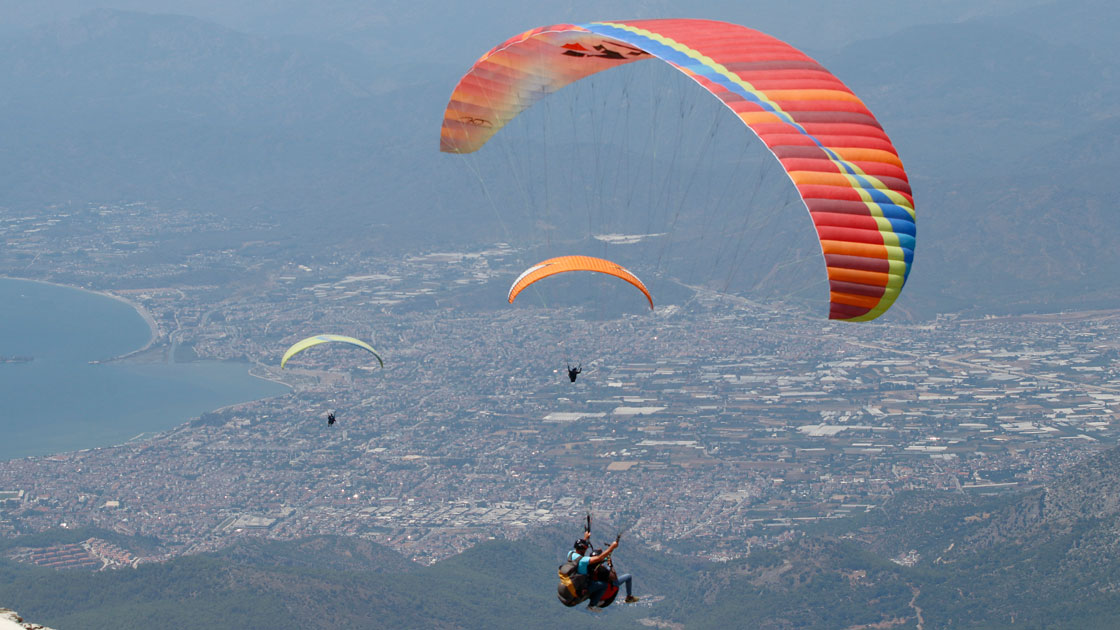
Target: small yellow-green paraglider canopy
300 346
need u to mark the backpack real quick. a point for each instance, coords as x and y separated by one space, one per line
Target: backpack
573 587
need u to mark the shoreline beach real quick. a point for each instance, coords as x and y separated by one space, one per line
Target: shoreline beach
126 423
154 332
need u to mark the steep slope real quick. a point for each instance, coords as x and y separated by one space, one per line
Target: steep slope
1041 559
342 583
1048 559
1008 130
1039 239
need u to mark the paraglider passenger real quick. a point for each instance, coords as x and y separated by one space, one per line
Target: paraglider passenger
573 373
593 561
626 579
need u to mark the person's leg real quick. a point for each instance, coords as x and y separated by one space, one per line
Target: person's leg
626 579
596 591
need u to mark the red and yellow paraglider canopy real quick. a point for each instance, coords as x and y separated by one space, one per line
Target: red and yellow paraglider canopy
844 166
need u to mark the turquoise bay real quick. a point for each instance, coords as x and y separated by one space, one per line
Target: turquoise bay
60 402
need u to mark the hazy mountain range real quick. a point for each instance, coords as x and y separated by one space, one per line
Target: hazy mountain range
1006 121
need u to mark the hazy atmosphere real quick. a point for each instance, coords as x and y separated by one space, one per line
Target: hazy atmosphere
188 189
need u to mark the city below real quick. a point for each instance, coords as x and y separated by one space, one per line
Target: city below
707 426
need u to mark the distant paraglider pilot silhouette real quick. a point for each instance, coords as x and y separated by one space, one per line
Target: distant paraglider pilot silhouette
573 373
330 419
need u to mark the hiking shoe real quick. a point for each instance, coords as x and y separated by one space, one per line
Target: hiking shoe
630 599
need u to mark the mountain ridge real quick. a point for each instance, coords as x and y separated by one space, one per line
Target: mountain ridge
1008 145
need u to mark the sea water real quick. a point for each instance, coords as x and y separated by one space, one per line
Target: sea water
59 401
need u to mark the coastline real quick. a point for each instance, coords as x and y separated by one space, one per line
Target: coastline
271 379
258 372
153 326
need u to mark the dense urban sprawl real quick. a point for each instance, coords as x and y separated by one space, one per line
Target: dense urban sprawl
708 425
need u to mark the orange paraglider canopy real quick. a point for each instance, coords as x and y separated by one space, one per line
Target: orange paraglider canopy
553 266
